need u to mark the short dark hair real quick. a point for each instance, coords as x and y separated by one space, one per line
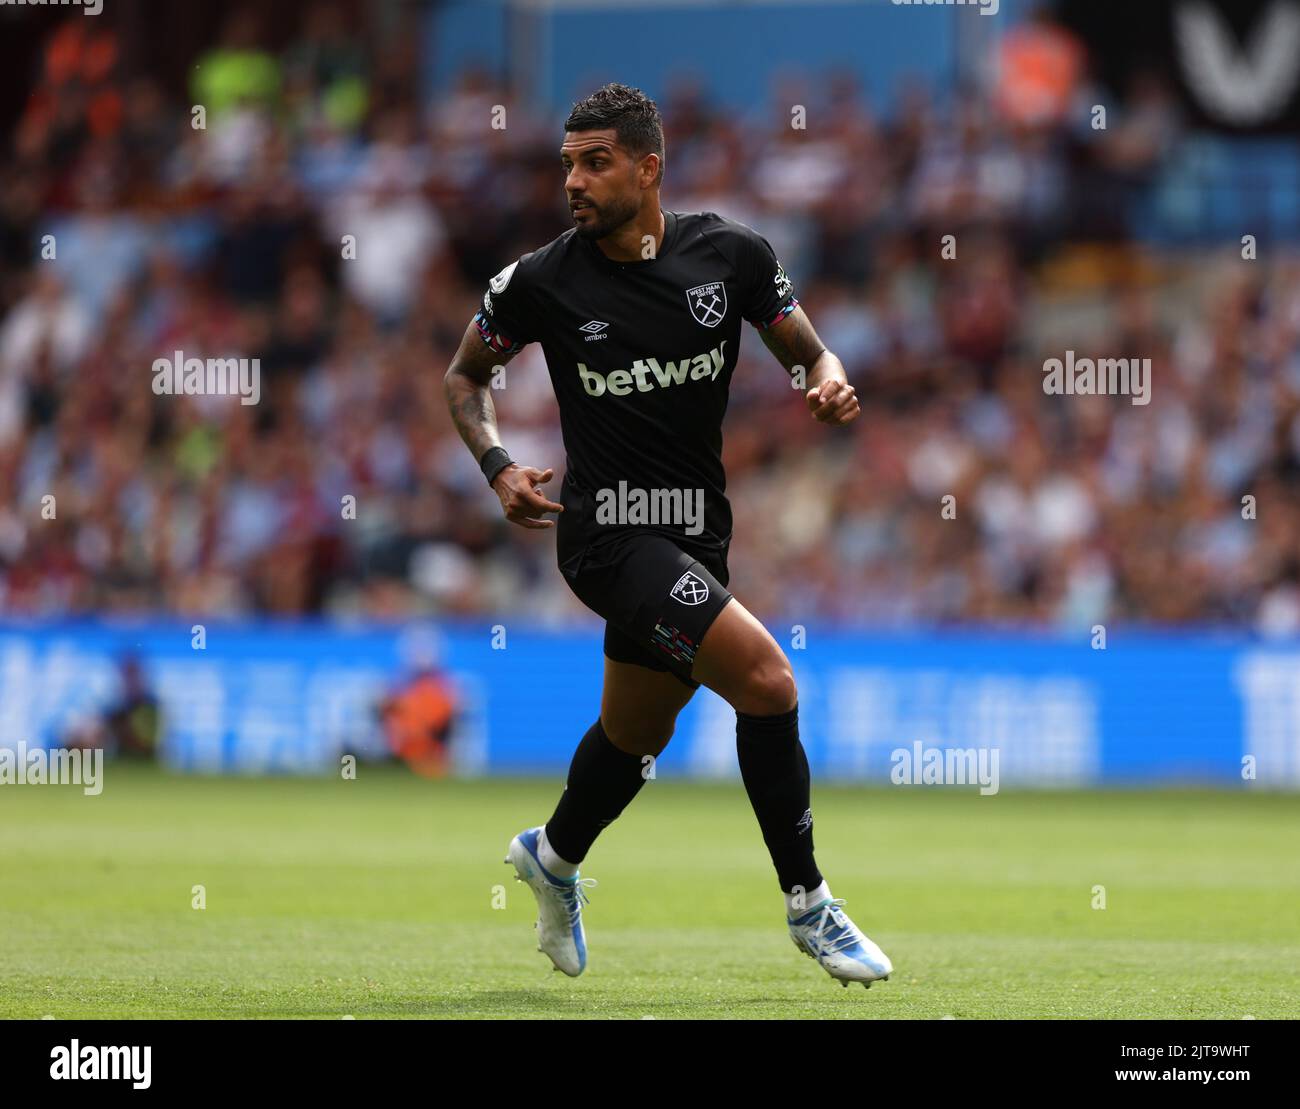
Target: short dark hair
630 113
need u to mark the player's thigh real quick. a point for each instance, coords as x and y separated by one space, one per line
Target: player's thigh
657 599
740 661
639 706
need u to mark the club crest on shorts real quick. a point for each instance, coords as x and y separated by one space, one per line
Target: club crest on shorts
708 303
690 589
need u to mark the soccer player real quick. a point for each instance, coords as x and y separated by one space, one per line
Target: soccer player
639 315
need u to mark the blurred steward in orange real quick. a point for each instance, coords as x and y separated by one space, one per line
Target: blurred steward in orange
418 718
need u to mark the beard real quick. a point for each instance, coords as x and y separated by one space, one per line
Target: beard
606 219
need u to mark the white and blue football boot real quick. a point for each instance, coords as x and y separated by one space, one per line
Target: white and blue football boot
559 904
825 933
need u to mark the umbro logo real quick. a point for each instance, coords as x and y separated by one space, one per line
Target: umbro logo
805 822
593 328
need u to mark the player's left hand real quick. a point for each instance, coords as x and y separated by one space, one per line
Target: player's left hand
833 402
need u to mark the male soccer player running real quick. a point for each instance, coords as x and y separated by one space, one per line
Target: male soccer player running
638 312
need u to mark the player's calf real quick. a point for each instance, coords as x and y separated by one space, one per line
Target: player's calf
740 661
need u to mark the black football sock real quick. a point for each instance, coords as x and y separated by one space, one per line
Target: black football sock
774 769
602 781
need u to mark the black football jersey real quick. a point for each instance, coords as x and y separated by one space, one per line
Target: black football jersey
641 355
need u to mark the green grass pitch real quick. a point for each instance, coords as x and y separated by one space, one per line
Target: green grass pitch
374 898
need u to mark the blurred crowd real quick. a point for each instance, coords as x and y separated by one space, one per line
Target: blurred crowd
127 233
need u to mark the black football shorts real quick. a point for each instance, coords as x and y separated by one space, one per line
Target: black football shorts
658 597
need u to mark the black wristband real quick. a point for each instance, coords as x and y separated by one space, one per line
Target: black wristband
494 460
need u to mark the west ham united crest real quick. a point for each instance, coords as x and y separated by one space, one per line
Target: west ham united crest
690 590
708 303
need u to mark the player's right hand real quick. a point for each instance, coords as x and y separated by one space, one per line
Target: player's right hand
520 500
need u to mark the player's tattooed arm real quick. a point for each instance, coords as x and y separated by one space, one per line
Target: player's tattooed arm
468 384
794 342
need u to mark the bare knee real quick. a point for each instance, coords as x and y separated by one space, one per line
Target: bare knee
740 661
638 737
767 689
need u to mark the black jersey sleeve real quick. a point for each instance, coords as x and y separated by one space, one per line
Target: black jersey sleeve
506 318
768 293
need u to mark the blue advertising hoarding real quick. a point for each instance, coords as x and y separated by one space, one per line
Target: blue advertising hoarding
293 697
